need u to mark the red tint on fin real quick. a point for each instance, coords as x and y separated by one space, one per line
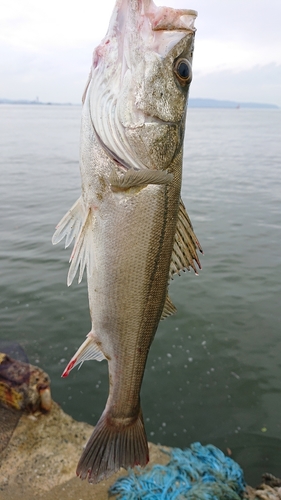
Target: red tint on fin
69 367
113 444
88 350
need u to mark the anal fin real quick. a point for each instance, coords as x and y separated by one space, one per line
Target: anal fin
88 350
186 244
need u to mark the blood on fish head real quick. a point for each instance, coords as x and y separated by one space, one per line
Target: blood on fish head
139 85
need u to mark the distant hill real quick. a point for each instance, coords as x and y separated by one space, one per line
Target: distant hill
193 103
214 103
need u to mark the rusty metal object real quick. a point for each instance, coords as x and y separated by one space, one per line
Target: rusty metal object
23 387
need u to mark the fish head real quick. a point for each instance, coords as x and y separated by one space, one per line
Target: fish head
139 85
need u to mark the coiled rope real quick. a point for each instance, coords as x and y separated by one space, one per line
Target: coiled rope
196 473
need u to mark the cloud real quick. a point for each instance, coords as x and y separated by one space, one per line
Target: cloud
46 48
56 23
57 75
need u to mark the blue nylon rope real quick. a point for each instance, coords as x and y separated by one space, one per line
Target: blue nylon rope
196 473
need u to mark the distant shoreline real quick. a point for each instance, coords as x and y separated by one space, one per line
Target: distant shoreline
215 103
192 103
36 103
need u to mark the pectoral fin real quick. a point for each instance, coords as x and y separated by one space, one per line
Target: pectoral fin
77 223
138 178
70 225
82 253
186 245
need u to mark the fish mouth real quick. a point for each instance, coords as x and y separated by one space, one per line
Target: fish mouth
169 19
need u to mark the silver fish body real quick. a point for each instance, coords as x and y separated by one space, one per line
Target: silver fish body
131 229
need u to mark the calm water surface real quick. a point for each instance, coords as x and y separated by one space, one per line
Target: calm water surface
214 369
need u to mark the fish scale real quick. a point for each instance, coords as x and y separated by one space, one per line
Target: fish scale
130 227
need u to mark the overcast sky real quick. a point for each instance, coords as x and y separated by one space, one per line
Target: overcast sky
46 48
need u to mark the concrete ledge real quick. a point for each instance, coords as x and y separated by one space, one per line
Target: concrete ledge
41 458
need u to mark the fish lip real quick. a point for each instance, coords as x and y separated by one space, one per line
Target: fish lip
170 19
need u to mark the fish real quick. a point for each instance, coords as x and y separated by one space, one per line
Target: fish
130 228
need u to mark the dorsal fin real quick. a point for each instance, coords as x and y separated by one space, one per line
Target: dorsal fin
168 309
186 244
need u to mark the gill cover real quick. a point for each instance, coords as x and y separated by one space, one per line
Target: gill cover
134 84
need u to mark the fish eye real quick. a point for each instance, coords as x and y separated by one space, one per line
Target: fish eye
183 71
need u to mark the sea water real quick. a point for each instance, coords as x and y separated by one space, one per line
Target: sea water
214 370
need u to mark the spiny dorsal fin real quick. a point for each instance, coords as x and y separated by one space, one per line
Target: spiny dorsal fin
138 178
168 309
186 244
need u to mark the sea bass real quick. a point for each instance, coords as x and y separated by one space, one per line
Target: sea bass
131 230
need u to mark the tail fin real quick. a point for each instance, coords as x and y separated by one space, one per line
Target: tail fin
112 445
